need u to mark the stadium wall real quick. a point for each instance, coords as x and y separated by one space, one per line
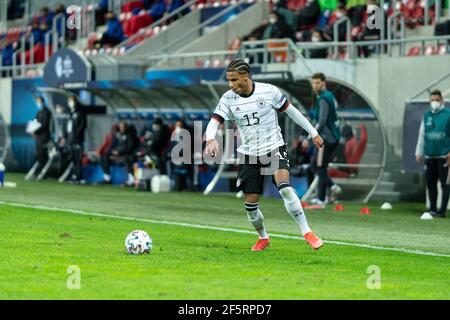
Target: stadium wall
386 82
170 35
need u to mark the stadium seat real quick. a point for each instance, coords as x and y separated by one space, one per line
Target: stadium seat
136 23
130 6
414 51
119 174
354 150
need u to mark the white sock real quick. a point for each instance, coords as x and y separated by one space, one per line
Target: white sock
256 218
293 206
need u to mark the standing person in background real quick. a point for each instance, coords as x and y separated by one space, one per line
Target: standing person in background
326 118
42 134
76 128
160 141
433 144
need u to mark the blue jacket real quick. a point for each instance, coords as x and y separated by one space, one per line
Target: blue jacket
114 29
158 9
7 55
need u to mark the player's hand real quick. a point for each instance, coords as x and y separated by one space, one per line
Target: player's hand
419 159
212 147
318 142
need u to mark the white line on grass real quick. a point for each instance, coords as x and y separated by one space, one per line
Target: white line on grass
200 226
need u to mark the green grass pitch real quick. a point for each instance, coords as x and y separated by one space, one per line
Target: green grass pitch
38 246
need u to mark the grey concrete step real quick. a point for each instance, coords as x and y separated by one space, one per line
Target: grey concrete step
389 196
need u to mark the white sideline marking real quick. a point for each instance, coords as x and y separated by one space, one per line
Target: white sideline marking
200 226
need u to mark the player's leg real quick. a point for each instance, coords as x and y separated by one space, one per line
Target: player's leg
256 218
443 177
431 175
294 207
251 183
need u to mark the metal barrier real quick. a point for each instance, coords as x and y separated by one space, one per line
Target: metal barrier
392 30
336 25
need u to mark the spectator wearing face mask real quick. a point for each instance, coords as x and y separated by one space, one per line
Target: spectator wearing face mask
160 141
433 144
181 164
278 28
122 149
41 133
76 129
317 36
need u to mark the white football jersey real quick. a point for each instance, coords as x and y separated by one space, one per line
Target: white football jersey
255 116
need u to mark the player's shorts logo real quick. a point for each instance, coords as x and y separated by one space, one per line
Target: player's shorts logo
238 183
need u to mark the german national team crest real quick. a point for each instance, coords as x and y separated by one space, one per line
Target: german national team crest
260 102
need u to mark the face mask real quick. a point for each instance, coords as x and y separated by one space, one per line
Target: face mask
435 105
39 105
177 130
71 104
272 20
315 39
155 127
339 14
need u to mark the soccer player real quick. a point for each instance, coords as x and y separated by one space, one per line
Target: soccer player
253 107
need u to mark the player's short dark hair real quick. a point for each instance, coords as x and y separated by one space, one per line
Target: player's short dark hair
238 65
436 93
319 75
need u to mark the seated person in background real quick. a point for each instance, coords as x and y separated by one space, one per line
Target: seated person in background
160 141
158 9
7 54
107 141
278 28
113 34
322 53
173 5
122 148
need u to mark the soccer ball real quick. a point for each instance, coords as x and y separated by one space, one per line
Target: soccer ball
138 242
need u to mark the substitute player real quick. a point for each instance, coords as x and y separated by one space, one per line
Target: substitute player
253 107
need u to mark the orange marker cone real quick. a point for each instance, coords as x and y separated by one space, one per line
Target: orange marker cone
365 211
304 204
339 207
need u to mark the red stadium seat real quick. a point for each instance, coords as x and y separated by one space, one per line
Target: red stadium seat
414 51
138 22
130 6
354 150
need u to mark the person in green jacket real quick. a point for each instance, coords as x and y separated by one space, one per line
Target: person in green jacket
434 145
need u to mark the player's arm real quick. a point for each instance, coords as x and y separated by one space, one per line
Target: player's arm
281 103
300 119
212 146
420 147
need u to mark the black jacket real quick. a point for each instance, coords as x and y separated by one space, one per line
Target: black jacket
126 143
44 116
79 125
